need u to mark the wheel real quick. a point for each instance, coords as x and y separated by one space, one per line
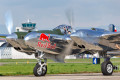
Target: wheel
40 70
107 68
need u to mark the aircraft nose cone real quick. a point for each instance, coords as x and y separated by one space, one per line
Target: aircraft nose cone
30 36
11 38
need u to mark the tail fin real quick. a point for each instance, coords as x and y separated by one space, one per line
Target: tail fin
112 28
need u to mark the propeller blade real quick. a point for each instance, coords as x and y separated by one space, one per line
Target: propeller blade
9 22
68 48
70 18
66 51
69 15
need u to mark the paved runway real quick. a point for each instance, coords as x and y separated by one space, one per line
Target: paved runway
84 76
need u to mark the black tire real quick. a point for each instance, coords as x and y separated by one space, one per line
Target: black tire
107 68
36 72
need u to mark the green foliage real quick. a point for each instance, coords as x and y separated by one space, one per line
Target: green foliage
56 31
21 34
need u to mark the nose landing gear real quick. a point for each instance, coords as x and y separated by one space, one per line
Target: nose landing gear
40 68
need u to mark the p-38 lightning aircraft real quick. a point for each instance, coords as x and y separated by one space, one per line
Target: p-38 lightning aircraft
57 43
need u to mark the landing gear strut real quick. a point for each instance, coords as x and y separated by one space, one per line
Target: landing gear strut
40 68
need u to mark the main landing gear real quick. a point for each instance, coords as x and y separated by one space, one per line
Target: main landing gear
107 67
40 68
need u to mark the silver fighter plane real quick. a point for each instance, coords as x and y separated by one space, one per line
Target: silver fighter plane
57 43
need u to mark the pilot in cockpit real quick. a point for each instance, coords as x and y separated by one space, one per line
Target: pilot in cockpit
65 30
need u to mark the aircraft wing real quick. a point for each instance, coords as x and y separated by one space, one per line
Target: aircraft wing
91 42
3 35
82 42
114 37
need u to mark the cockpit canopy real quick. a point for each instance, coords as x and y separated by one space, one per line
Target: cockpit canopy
98 29
65 29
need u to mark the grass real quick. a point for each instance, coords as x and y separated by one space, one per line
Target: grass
53 68
19 69
67 60
72 68
21 60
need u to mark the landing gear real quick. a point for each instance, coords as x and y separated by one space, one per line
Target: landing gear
41 67
107 67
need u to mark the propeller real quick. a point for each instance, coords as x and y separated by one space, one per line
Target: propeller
9 22
69 15
9 26
68 47
70 18
67 51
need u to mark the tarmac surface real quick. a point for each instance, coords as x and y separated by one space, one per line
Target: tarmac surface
84 76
